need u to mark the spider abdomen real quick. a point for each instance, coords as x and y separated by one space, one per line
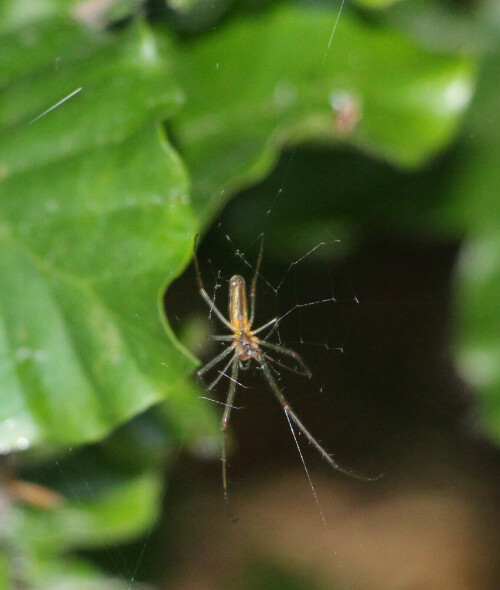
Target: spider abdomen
238 306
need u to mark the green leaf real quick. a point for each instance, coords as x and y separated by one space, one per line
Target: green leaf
92 522
94 203
93 514
95 214
280 77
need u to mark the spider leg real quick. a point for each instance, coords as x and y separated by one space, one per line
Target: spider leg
225 420
204 294
291 414
214 361
220 375
287 352
253 288
280 364
266 325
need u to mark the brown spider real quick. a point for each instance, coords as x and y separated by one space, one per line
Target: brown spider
247 346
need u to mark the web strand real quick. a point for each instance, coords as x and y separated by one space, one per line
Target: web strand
313 489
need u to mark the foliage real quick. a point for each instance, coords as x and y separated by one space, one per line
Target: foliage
101 195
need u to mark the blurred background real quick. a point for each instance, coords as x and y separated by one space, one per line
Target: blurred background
385 398
360 141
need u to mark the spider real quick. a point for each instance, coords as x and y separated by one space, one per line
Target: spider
246 346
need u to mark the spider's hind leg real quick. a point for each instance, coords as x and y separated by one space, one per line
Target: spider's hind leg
290 413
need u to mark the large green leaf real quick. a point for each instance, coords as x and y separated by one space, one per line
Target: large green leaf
95 213
34 539
279 76
95 521
96 220
94 205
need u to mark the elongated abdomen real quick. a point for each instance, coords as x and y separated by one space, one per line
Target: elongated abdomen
238 306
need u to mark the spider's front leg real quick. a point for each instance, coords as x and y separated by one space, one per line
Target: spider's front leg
203 293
